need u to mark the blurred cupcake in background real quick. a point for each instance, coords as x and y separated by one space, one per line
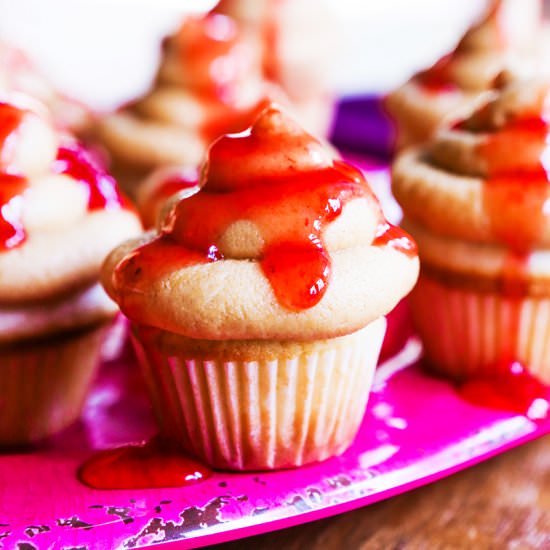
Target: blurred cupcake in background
162 188
475 198
210 82
19 74
59 217
509 36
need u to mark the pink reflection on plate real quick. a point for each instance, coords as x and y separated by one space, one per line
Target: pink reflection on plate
417 429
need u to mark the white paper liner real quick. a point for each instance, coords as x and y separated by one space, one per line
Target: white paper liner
43 385
258 415
466 332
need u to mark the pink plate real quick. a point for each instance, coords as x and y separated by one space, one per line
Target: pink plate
417 429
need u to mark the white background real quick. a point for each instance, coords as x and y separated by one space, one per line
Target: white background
104 51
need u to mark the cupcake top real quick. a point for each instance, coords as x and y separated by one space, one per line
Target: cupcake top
209 83
506 37
484 180
282 242
60 214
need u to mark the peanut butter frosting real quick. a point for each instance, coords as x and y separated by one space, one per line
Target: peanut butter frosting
282 242
509 37
479 190
60 215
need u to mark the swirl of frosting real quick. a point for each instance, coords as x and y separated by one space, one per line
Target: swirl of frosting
60 214
484 179
505 38
281 242
509 37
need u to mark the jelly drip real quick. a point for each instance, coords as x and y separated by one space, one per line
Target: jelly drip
514 198
148 466
509 388
293 258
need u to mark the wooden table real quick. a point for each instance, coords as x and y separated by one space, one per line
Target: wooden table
503 503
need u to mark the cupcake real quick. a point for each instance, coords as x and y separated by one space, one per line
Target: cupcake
18 74
509 36
209 83
295 52
475 198
258 306
59 217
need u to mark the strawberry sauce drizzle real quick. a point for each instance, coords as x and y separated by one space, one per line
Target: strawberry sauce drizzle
289 208
510 388
516 197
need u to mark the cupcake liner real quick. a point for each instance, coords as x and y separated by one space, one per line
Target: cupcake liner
43 385
466 332
275 412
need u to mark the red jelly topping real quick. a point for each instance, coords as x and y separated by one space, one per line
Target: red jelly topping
288 205
12 232
515 198
510 388
10 120
77 163
148 466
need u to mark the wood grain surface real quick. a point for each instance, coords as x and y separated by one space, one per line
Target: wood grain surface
503 503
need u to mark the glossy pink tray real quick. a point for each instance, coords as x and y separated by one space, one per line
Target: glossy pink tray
416 430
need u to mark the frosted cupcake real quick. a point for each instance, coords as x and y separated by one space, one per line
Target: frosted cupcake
60 216
258 308
509 36
475 198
